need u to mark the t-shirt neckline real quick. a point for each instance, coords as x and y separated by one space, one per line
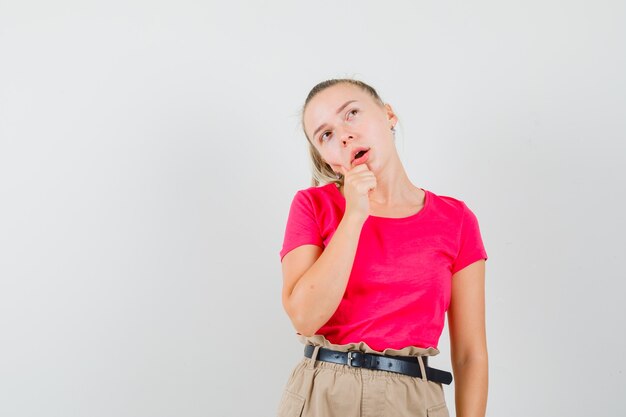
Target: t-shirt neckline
427 199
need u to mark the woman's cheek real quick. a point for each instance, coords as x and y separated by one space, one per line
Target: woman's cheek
334 161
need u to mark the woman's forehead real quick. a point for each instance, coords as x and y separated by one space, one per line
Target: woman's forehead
326 103
337 95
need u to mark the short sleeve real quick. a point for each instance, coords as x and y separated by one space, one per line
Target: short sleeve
471 247
302 227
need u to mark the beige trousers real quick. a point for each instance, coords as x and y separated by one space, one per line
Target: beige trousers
323 389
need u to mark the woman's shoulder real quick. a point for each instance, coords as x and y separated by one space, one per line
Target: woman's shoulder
447 204
320 192
319 197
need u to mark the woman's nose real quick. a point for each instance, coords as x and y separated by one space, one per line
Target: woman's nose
346 138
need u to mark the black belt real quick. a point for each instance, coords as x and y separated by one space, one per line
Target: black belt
406 365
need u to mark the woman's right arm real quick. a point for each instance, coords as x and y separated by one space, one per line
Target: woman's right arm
315 279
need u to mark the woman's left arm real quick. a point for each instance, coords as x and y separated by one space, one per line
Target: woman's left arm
468 341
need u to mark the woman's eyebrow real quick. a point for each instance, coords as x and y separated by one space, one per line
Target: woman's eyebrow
343 106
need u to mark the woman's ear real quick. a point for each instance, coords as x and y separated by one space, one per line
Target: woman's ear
391 115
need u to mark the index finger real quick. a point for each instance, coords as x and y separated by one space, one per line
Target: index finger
361 167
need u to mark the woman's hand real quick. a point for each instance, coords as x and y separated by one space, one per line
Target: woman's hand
357 184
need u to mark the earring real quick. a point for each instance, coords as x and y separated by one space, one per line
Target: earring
393 129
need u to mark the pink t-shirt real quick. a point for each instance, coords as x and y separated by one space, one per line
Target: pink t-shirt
400 283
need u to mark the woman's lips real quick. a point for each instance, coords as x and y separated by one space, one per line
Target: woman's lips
361 160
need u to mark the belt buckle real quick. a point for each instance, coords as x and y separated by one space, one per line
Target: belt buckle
350 359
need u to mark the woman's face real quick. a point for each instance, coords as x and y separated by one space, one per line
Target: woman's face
343 119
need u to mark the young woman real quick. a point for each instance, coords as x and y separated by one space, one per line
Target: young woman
371 263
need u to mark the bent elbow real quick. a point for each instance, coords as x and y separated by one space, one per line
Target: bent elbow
304 322
304 326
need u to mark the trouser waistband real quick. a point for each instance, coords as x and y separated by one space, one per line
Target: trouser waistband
406 365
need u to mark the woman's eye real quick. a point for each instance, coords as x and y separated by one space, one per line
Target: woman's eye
324 136
353 112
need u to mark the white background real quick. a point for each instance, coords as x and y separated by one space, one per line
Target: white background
149 151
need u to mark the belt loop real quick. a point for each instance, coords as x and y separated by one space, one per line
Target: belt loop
422 368
313 357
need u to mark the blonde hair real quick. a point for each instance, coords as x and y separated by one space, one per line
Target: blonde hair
322 173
